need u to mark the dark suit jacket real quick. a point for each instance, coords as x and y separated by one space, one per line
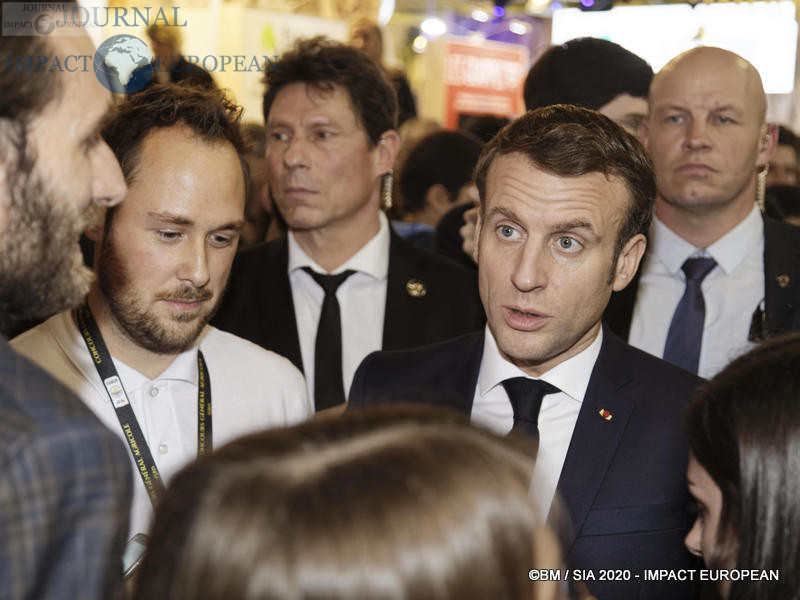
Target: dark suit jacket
64 493
623 481
258 303
781 285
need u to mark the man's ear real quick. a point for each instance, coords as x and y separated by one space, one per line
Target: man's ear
766 144
387 147
628 261
476 241
437 198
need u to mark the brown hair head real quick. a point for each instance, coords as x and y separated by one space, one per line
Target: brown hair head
392 503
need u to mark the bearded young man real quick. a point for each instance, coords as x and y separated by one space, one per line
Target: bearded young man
139 352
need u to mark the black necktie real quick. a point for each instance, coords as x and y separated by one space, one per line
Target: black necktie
526 400
685 335
328 385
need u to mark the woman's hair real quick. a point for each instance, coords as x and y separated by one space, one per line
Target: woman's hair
390 503
744 429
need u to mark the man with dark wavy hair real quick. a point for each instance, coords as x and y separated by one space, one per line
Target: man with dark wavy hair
566 200
341 284
64 493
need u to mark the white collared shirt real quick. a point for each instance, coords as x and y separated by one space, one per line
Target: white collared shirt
557 417
251 389
732 291
362 303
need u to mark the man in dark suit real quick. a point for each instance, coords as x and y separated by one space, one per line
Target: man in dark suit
65 489
718 276
566 199
341 284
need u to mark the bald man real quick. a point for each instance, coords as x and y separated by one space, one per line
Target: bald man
719 276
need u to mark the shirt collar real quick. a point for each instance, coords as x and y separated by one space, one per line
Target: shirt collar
372 258
571 376
183 368
729 251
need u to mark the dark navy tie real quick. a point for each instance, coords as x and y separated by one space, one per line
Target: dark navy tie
685 336
328 384
526 399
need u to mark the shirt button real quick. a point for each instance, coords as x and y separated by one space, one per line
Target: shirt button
154 391
163 448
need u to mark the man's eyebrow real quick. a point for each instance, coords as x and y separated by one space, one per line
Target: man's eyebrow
503 212
170 218
235 225
574 224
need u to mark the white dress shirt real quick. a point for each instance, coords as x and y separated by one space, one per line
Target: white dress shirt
557 417
732 291
251 389
362 303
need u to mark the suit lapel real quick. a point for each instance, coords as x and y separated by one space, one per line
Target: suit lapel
281 324
781 281
595 439
403 310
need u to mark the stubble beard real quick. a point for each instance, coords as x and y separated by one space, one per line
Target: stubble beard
41 274
143 327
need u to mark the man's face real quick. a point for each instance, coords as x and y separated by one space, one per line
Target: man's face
165 260
42 212
705 132
322 172
545 251
783 166
627 111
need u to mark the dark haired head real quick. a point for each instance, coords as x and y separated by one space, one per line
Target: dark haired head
588 72
389 503
569 141
208 113
446 158
744 430
322 64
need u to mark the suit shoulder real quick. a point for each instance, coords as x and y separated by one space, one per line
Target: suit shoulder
256 257
422 364
657 370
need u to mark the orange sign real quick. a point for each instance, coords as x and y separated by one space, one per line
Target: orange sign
484 78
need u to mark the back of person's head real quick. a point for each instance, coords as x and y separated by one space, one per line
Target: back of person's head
446 158
569 141
589 72
744 430
322 64
484 127
387 504
168 36
787 137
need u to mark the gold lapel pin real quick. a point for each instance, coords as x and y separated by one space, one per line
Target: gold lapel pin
783 280
605 414
416 288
